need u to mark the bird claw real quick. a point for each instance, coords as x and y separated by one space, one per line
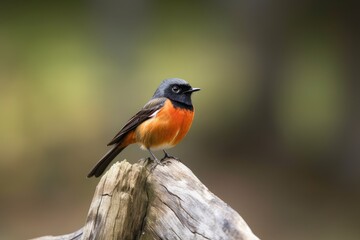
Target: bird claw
167 156
155 163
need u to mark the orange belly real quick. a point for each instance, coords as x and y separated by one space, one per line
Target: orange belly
166 129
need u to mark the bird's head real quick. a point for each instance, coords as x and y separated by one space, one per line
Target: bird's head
177 90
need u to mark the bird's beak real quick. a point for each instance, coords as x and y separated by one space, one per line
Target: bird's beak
192 90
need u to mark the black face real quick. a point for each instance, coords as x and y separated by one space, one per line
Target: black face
179 93
177 90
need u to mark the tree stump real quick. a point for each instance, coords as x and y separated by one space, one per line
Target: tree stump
132 202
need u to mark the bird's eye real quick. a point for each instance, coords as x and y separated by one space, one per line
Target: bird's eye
175 89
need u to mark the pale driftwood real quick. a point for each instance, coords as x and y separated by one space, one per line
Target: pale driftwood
168 203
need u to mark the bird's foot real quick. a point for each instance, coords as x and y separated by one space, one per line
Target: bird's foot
156 162
167 156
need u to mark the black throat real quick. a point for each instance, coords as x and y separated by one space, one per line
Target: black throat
181 105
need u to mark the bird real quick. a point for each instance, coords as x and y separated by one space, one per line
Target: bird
161 124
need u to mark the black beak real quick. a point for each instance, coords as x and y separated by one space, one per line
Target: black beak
191 90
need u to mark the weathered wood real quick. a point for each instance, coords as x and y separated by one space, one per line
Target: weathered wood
170 202
72 236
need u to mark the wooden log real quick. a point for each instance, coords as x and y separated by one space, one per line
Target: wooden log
131 202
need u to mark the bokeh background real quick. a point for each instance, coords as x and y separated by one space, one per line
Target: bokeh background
277 127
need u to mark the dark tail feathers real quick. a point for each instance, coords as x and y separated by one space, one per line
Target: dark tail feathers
105 161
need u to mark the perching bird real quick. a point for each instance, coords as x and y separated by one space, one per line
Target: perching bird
159 125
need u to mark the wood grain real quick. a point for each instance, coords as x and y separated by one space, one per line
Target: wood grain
169 202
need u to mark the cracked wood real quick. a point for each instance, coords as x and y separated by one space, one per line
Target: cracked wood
168 203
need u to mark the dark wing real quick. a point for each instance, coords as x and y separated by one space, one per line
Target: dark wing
144 114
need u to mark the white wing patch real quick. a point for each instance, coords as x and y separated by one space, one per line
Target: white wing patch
154 114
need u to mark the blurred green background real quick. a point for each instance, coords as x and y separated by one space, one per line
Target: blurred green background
277 128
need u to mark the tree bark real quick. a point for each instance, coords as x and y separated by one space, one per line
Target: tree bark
169 202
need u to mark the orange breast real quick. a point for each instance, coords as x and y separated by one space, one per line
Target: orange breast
166 129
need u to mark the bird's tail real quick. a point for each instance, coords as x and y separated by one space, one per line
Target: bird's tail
105 161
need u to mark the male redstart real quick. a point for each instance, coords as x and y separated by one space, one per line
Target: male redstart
160 124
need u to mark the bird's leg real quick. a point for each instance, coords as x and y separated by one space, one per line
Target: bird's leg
166 156
157 162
